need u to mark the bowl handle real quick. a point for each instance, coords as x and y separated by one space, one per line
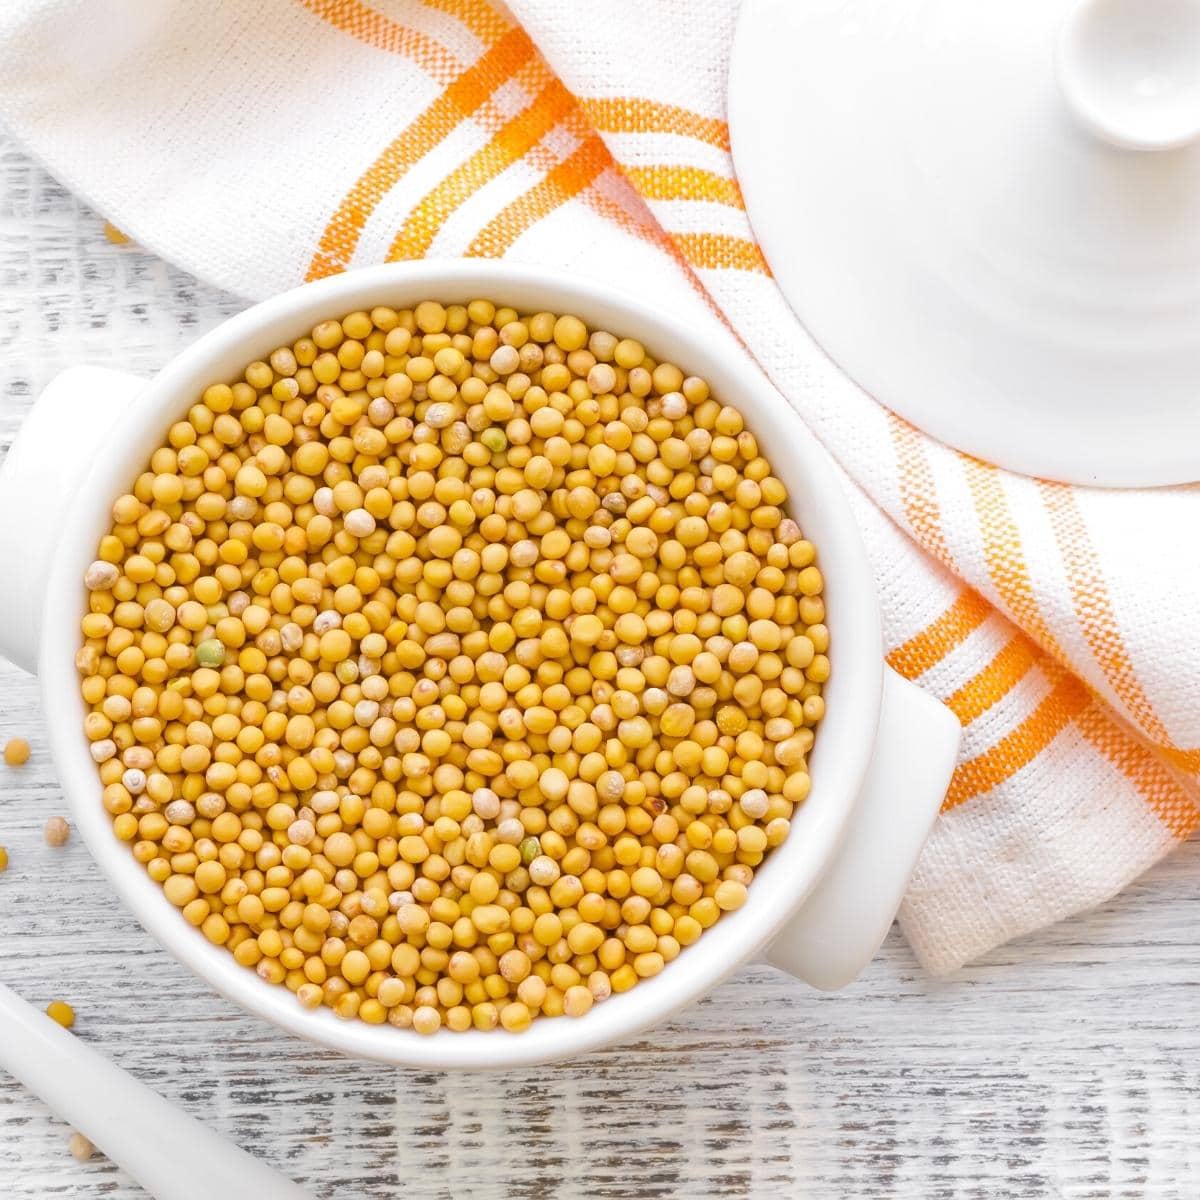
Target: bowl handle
845 919
50 457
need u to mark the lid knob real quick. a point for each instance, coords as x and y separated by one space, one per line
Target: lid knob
1130 71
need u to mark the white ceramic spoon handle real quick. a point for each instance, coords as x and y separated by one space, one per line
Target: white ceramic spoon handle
172 1156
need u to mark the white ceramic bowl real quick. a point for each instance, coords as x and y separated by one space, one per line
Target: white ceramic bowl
822 901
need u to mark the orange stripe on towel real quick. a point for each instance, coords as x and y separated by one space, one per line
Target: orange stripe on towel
633 114
460 99
927 648
989 686
684 183
1005 555
918 491
372 28
1170 800
1098 620
508 145
716 251
559 185
1020 746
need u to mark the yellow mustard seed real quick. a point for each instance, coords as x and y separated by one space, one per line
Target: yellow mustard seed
62 1012
16 752
452 667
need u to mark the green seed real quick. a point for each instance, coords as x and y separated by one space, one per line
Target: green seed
530 849
210 653
494 440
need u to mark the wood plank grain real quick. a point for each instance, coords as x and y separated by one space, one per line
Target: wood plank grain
1066 1065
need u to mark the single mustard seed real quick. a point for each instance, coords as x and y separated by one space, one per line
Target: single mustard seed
62 1012
3 859
210 653
494 439
16 752
452 667
56 831
80 1148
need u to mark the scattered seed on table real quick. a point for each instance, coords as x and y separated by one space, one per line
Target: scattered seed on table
454 668
56 831
62 1012
16 752
80 1147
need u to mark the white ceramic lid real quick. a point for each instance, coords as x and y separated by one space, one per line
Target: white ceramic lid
989 216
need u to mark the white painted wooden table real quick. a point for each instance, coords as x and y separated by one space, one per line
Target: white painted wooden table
1066 1065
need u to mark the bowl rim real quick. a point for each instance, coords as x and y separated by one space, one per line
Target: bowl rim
840 757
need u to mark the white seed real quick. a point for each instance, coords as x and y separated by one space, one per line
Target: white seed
301 832
324 802
103 750
134 780
323 622
719 801
511 831
544 870
210 805
523 553
681 681
100 576
438 416
486 803
179 812
674 406
380 411
754 803
241 508
366 712
324 503
291 637
373 477
374 687
610 787
359 522
601 379
788 532
505 360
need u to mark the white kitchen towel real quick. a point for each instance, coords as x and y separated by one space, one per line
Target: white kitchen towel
262 144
